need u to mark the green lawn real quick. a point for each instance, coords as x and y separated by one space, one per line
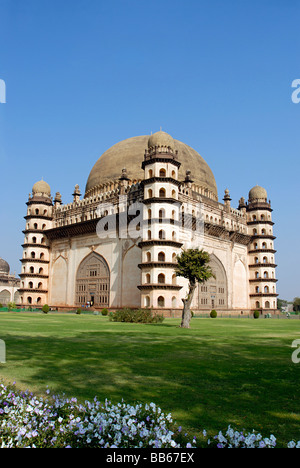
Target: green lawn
219 372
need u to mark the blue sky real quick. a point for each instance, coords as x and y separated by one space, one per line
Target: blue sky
82 75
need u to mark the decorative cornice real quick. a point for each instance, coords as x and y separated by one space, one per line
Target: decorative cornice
161 242
152 286
151 180
157 265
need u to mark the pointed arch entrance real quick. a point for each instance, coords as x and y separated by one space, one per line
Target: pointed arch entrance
214 293
93 281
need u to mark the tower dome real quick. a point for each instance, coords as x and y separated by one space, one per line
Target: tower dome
161 139
41 188
258 193
4 267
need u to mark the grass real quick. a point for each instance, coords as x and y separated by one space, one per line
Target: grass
219 372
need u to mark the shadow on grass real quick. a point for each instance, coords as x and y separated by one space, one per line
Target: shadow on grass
204 383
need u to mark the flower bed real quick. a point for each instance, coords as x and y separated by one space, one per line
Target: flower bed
55 421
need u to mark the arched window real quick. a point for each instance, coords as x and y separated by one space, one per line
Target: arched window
265 260
161 234
32 254
256 274
150 173
31 270
42 256
148 256
257 304
267 305
148 278
161 301
147 301
149 235
266 289
41 271
173 193
149 214
174 279
174 302
39 300
40 286
161 278
257 289
150 193
162 193
30 285
29 300
266 274
256 260
264 245
174 257
161 213
161 257
162 173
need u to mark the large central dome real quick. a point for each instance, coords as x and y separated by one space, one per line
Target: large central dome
129 154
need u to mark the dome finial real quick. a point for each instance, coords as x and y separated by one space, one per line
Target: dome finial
41 188
258 193
161 139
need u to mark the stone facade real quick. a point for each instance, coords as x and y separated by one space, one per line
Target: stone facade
9 285
117 246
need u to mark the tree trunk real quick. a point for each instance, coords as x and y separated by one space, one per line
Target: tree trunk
186 313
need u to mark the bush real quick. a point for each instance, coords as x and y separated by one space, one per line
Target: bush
1 305
104 312
256 314
135 316
45 309
213 313
11 305
78 311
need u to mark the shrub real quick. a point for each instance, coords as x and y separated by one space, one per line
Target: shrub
213 313
11 305
78 311
104 311
256 314
1 305
135 316
45 308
